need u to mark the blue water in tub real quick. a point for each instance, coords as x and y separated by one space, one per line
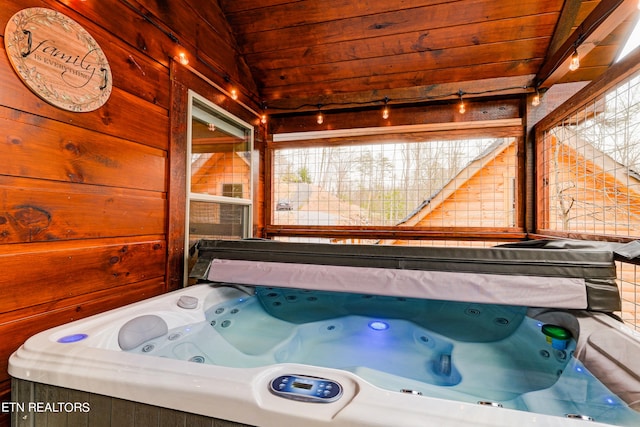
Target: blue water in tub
477 353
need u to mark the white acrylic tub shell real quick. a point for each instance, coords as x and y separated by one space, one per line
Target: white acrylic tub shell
97 365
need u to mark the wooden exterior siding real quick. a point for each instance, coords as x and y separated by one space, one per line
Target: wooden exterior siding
220 169
591 190
482 196
89 201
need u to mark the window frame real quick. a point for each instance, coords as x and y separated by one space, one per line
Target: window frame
247 217
432 131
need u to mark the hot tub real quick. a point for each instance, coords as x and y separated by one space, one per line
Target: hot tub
403 351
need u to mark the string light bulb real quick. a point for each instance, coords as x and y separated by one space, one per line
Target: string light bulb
461 107
263 119
385 110
536 99
234 94
319 117
182 58
575 60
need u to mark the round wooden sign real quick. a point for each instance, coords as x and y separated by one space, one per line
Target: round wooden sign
57 59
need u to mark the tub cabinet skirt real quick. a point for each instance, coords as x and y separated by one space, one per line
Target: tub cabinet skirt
36 404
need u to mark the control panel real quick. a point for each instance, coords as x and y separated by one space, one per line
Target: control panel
306 388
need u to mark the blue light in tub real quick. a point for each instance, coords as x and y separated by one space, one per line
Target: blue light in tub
72 338
378 325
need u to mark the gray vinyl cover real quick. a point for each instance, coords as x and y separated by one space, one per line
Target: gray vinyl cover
590 261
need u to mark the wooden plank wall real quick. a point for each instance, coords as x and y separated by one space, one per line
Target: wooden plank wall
86 198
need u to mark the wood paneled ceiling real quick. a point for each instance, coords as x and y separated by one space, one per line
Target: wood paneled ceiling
346 53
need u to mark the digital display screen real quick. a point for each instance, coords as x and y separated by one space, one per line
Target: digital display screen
306 388
302 385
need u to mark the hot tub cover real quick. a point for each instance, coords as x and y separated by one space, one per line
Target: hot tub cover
560 274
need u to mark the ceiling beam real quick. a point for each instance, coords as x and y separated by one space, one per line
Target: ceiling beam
595 28
564 25
501 86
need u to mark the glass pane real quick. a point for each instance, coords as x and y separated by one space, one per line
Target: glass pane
220 155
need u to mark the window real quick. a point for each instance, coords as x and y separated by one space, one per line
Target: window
219 174
590 184
442 183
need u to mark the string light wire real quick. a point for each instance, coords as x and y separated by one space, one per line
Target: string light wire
411 100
